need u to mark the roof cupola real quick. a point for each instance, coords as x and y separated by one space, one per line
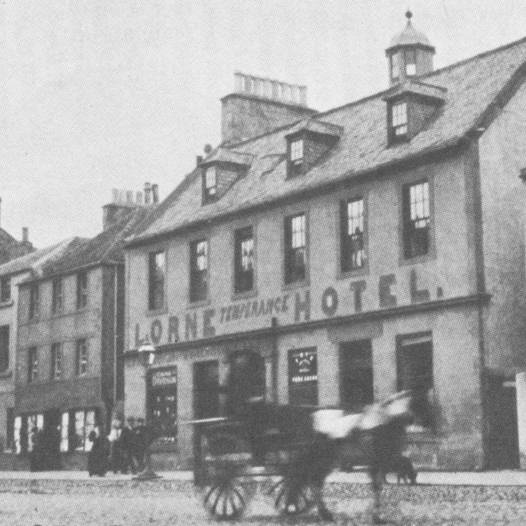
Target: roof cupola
409 54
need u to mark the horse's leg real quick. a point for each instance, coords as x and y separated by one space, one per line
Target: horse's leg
317 489
376 474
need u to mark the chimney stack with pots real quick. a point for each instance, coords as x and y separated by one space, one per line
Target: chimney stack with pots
125 200
259 105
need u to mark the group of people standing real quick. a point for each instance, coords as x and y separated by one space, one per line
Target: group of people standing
122 451
45 450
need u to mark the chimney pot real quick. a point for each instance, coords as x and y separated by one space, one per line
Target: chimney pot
147 190
129 197
25 234
155 193
138 198
114 195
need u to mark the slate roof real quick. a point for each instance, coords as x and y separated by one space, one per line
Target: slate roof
472 85
34 260
105 248
409 36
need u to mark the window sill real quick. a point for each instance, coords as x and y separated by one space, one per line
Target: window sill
295 285
417 259
6 304
156 312
244 295
6 374
199 303
364 271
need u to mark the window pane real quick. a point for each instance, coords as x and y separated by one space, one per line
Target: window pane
296 151
82 357
79 430
295 248
156 279
417 219
64 432
198 270
353 256
82 289
244 259
5 289
4 348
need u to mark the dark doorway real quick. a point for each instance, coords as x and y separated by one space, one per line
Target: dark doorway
52 418
356 375
503 445
206 389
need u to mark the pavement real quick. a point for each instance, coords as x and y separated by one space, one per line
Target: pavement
432 478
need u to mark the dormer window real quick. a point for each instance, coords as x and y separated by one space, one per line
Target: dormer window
307 142
410 62
296 156
399 121
210 184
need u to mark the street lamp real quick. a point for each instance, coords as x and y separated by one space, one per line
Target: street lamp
146 355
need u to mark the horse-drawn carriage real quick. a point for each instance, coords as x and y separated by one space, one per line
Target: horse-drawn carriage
293 448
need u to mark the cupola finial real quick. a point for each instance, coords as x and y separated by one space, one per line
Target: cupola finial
408 14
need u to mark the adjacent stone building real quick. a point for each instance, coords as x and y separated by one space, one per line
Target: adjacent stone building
11 274
70 335
373 247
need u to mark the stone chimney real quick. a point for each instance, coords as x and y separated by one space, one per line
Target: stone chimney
258 105
122 202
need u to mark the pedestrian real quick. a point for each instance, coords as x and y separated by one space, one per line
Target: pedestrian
128 446
35 456
115 446
141 443
98 455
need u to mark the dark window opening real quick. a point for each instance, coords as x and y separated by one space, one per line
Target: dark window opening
34 301
206 389
56 361
244 260
4 348
303 377
10 429
156 278
210 184
5 289
57 300
415 366
410 62
295 248
417 219
356 375
81 367
32 365
82 289
395 69
353 233
198 270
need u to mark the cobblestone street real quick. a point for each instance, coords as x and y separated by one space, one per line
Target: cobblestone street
166 503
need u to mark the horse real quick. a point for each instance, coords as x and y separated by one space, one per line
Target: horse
379 432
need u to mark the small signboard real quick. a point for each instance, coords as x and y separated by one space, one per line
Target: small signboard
164 377
303 366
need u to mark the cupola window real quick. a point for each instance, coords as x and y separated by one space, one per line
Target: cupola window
399 120
210 184
410 62
395 70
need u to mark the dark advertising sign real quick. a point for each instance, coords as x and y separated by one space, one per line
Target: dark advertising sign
303 366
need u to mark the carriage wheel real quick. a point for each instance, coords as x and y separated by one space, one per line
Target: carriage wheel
289 503
226 500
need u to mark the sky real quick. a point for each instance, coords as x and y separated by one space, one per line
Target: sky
102 94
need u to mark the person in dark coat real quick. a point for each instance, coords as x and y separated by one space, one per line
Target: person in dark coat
98 455
128 446
36 456
141 443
